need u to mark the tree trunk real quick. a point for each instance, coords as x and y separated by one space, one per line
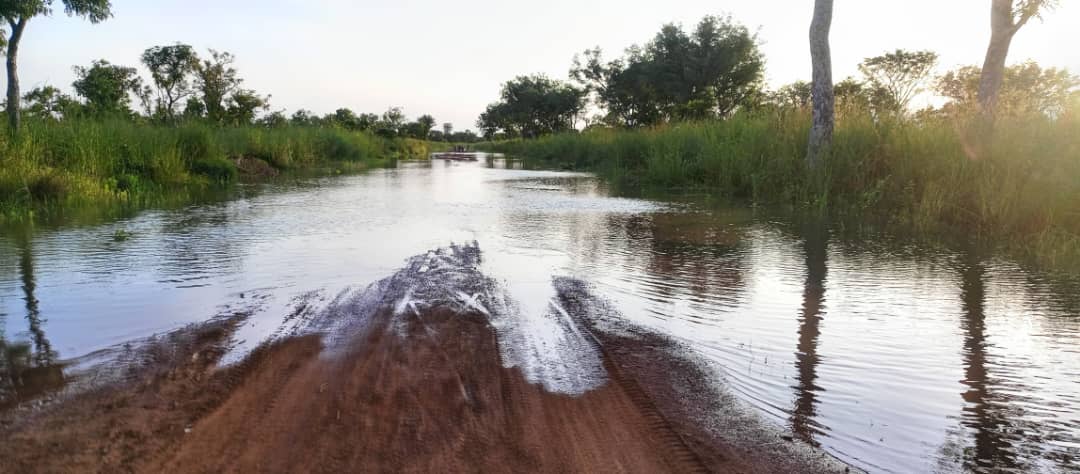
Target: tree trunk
824 108
14 98
1002 31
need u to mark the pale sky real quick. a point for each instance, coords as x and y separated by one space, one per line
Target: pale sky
448 58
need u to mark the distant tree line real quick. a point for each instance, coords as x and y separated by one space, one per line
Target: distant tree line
185 86
717 70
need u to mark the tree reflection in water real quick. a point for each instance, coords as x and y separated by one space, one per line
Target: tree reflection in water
28 369
815 250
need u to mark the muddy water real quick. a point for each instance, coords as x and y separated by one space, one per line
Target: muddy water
894 355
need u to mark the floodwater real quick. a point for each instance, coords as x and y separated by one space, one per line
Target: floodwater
893 354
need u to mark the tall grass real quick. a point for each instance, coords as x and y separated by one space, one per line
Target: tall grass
51 166
1023 185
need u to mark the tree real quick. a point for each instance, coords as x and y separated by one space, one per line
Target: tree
622 87
1006 19
531 106
275 119
243 105
427 123
216 79
303 118
107 88
346 118
194 109
796 95
899 76
852 96
171 68
1026 89
49 103
366 121
391 123
709 72
18 13
824 99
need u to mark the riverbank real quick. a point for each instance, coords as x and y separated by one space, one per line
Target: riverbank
925 173
54 167
408 375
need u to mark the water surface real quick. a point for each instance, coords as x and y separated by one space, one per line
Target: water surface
894 355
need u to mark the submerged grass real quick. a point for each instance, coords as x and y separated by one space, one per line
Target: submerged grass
1022 187
50 167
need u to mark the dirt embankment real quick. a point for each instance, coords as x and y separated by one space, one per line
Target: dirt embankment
420 390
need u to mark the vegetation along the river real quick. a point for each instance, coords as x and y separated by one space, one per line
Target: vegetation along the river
192 127
689 111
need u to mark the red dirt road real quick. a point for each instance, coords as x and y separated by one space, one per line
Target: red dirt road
422 392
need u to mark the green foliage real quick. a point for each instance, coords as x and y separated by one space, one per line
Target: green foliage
195 143
216 79
710 72
48 103
243 106
93 10
107 88
898 76
171 68
55 165
217 169
531 106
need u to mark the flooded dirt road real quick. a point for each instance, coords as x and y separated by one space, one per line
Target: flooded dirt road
893 354
407 375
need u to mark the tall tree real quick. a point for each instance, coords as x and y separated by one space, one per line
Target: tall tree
171 68
899 76
824 98
1006 18
18 13
217 80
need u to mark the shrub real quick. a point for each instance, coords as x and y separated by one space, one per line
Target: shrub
217 169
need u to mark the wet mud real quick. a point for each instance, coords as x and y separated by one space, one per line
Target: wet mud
429 370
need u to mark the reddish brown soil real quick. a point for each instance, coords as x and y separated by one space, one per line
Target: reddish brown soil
435 399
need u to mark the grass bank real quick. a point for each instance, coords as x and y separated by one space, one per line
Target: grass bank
51 167
1022 188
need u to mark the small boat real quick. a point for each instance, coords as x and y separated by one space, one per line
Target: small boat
455 156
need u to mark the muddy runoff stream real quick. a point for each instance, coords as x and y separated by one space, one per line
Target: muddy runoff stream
450 316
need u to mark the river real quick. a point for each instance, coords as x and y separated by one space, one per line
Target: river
894 354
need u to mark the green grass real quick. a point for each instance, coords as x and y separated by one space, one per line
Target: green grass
1023 188
51 167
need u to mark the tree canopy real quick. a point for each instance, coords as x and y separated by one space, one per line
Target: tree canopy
709 72
1026 89
107 88
531 106
171 68
898 76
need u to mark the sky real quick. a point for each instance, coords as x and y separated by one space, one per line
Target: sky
449 58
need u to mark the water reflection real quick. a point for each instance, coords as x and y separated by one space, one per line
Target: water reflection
815 250
28 369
